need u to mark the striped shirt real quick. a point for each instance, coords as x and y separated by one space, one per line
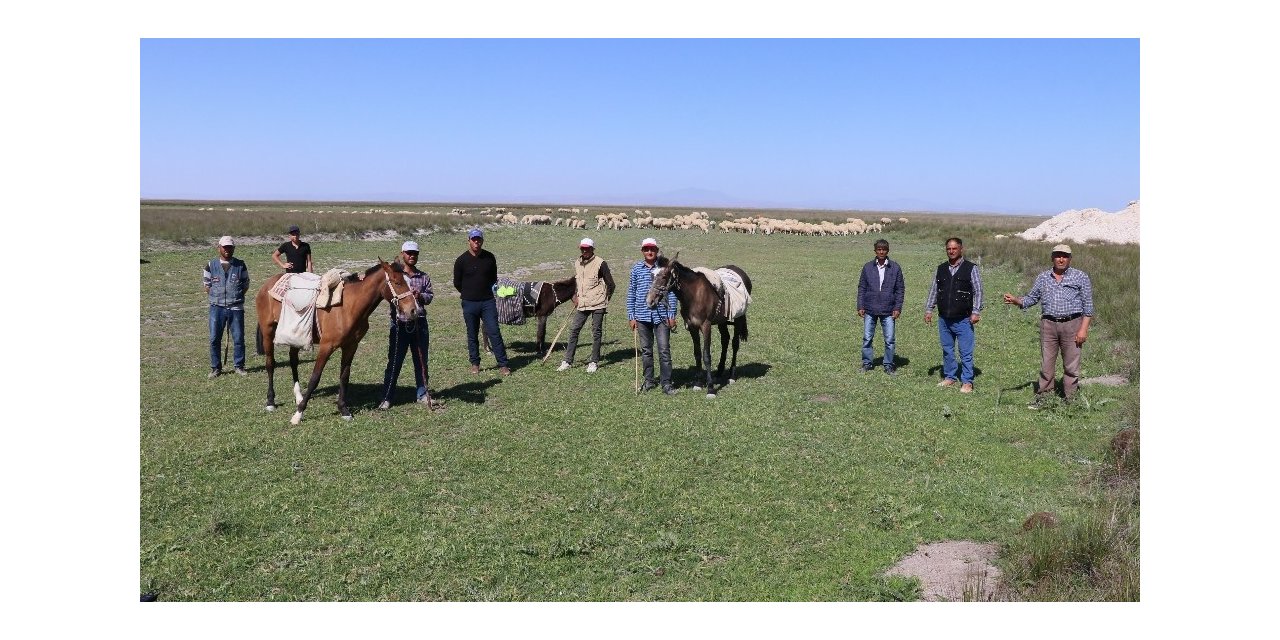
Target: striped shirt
932 299
638 290
1074 294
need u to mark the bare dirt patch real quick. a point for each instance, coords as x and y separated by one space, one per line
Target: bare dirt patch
1112 380
951 570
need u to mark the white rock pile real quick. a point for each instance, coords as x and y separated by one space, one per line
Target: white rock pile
1085 225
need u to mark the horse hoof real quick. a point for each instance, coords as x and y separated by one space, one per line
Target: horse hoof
697 388
271 407
711 395
729 381
347 418
297 417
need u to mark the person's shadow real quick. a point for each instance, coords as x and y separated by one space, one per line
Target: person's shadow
936 370
469 392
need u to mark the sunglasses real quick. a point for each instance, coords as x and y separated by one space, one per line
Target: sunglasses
411 253
648 248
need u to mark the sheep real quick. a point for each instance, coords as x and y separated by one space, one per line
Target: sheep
902 220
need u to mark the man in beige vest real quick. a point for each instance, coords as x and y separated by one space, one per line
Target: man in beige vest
594 290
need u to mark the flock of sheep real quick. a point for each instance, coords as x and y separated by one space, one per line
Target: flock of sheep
699 220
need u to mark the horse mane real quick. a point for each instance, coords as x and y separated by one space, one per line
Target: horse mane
395 266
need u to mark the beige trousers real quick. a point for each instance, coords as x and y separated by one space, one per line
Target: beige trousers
1058 337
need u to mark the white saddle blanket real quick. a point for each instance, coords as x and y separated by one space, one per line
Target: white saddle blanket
297 294
728 284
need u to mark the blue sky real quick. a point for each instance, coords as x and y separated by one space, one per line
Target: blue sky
1014 126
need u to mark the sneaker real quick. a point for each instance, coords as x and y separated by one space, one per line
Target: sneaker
241 372
669 390
505 371
591 367
1039 403
425 400
215 373
966 387
891 371
866 368
648 384
384 405
946 382
475 368
564 366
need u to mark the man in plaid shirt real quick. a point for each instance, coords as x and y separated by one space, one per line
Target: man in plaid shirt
1065 295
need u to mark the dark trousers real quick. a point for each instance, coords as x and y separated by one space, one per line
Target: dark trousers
648 332
416 343
473 313
597 332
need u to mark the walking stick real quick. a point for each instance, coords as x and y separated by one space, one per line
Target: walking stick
553 340
635 339
226 344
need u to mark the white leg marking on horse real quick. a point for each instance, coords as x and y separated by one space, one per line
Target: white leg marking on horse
711 395
347 418
271 407
297 393
297 417
730 381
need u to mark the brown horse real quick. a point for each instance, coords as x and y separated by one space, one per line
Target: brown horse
338 327
701 306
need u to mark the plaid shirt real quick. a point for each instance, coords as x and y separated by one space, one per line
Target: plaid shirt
638 290
1071 296
420 285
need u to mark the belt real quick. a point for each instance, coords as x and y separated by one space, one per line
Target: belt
1062 318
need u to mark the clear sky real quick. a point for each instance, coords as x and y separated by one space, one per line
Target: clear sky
1016 126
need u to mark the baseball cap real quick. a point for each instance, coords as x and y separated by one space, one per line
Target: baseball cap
587 242
648 242
293 228
1062 248
475 233
226 241
409 245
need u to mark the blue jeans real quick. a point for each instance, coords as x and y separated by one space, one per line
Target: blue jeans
416 344
218 319
473 313
869 332
951 332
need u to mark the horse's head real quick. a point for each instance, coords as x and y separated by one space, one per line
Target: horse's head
666 278
396 291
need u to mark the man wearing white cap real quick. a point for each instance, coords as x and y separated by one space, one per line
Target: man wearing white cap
653 325
594 290
405 337
226 280
1065 295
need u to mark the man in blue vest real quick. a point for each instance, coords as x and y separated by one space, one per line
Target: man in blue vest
957 292
226 280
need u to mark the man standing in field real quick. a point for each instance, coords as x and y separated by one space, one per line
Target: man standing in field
957 292
296 253
654 325
1065 295
414 339
594 291
475 273
881 291
226 280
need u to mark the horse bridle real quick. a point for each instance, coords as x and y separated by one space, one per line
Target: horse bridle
396 297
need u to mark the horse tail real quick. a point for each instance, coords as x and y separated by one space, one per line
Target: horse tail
258 341
743 333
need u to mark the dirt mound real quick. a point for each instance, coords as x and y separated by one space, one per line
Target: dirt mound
1085 225
952 570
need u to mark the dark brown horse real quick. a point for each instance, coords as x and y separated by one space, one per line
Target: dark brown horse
702 307
338 327
553 295
550 296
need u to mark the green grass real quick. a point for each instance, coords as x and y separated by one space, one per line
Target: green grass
804 480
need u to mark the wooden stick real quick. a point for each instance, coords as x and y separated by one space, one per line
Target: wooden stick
553 340
635 338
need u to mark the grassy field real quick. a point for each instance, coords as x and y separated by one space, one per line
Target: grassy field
804 480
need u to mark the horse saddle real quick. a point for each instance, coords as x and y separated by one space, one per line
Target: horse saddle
297 290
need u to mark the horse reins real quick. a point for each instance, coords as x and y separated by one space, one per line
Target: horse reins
397 297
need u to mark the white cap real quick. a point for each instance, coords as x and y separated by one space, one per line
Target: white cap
409 245
587 242
648 241
226 241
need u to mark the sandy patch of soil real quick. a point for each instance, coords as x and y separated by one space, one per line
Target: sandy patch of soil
947 569
1112 380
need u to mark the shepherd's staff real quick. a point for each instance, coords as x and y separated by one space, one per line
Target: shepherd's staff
553 340
226 344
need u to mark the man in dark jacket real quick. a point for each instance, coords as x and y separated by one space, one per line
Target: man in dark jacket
226 280
475 273
881 290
